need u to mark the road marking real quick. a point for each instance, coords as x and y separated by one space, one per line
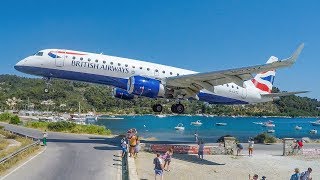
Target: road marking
118 172
23 164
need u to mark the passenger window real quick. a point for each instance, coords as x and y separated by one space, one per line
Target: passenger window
119 64
126 65
227 85
163 72
133 67
96 60
81 58
111 63
170 73
140 67
237 87
148 69
178 74
232 86
73 57
104 62
156 70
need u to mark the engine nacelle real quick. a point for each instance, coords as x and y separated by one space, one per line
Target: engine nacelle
144 86
122 94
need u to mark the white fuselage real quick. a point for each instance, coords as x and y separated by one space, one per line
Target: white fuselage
115 71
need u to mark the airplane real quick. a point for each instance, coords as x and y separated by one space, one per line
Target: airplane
131 78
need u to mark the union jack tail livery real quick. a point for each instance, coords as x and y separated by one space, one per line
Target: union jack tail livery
264 81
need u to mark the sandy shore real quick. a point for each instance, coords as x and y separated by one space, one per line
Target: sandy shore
267 162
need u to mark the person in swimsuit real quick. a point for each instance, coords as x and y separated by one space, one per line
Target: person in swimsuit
167 159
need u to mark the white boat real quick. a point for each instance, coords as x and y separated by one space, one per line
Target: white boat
259 123
161 116
179 127
268 124
298 127
270 131
197 123
221 124
316 123
313 131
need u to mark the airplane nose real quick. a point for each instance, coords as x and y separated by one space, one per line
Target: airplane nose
19 65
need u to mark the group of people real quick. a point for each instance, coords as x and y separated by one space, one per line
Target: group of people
162 162
134 143
306 175
250 147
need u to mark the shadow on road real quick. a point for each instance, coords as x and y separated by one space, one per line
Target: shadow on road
194 159
107 148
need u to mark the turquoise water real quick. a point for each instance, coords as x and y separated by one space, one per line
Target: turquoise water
240 127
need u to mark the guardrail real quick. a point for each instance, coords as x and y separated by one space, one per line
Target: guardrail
10 156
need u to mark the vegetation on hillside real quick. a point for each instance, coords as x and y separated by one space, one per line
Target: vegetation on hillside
28 93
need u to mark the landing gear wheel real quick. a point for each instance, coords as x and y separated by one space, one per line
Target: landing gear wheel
157 108
177 108
46 90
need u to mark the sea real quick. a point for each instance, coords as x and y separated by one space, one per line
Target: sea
162 128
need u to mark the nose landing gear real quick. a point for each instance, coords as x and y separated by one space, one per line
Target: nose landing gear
48 84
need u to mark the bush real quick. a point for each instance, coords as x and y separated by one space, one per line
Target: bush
14 120
61 126
265 138
5 117
37 124
1 127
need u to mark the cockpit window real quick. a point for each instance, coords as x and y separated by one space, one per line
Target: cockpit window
39 53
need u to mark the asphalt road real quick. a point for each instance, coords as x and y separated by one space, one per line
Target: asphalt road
70 156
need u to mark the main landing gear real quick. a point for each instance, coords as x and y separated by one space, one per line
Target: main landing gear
175 108
48 84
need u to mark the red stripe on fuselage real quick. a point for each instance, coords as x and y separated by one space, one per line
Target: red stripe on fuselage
72 53
261 86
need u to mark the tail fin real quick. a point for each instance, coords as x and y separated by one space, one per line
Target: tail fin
264 81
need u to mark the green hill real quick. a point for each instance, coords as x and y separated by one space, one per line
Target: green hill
66 95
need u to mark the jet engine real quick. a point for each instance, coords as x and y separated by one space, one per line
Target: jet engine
144 86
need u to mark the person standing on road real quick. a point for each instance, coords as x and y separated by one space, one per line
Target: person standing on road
137 148
296 175
133 143
306 175
250 147
124 147
158 167
44 139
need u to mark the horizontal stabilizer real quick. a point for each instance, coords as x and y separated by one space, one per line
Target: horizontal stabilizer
273 95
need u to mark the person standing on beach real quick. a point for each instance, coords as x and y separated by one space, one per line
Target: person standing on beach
201 149
255 177
240 147
158 167
44 139
296 175
250 148
306 175
167 159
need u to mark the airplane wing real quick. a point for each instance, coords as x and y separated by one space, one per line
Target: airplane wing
274 95
193 83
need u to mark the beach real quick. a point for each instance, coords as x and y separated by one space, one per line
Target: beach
267 160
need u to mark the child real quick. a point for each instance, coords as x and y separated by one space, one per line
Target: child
167 159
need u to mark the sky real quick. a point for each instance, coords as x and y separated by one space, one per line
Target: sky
198 35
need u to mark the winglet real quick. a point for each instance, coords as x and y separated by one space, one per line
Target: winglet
296 54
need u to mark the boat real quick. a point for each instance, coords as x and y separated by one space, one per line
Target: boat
179 127
221 124
161 116
268 124
270 131
197 123
313 131
316 123
298 127
259 123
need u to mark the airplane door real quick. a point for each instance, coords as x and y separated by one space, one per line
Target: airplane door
244 93
59 58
